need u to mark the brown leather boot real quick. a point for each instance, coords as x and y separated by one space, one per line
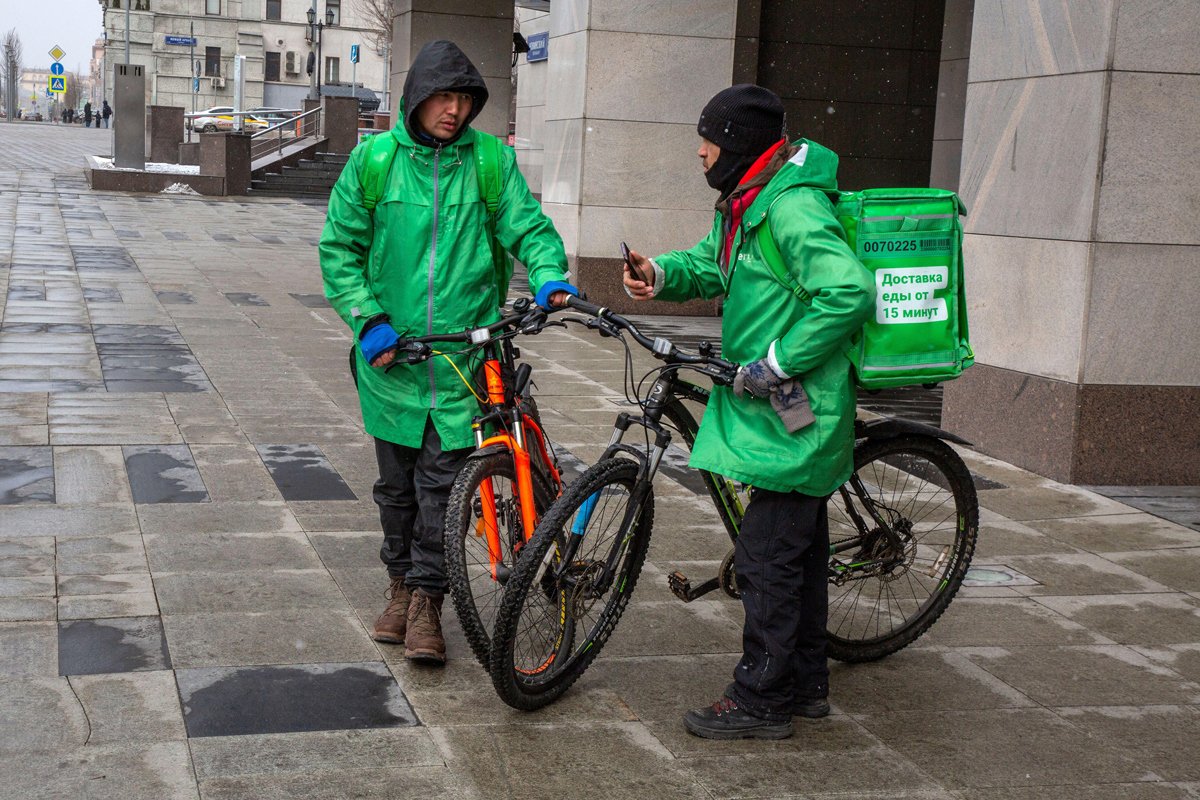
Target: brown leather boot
424 641
393 623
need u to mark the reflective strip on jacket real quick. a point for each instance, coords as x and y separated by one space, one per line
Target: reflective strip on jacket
743 438
427 263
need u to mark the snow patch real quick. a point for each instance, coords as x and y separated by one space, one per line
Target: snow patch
153 166
179 188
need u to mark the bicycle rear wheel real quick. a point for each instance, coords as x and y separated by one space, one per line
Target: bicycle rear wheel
570 586
474 587
885 593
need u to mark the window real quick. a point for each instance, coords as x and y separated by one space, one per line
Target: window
141 5
212 6
275 9
272 67
116 3
212 62
336 7
331 70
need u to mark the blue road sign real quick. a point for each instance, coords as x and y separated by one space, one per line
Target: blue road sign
539 47
353 54
57 84
195 84
56 68
186 41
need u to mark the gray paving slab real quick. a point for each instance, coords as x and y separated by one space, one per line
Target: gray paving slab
189 551
141 771
310 636
1005 747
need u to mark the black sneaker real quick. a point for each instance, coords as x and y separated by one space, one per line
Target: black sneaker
812 707
724 720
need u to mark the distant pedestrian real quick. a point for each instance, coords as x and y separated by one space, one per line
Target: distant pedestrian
87 114
70 116
107 112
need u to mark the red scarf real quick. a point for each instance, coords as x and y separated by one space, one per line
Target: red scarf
744 198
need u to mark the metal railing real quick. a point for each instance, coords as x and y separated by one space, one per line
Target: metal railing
274 138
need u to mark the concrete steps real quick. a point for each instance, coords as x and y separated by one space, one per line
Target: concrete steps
308 178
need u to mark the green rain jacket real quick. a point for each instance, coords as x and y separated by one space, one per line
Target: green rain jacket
425 261
743 438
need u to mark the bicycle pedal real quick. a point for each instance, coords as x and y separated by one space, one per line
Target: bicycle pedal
680 586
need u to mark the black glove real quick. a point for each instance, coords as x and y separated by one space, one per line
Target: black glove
758 378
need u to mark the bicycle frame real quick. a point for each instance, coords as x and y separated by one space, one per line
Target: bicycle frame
505 410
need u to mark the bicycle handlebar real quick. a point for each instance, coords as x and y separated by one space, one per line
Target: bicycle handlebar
718 369
528 319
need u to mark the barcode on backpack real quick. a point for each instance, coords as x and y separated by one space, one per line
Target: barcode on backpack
935 244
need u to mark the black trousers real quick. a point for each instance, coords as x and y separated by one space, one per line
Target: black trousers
781 559
412 490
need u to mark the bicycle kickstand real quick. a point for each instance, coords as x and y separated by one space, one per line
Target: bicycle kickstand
681 587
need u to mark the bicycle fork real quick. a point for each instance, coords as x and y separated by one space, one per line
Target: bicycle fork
641 488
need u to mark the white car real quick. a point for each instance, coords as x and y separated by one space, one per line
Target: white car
220 118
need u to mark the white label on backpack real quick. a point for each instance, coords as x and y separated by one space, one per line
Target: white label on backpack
905 295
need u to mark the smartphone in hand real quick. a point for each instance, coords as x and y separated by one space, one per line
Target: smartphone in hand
633 268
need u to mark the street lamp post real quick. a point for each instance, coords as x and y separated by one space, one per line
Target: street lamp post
316 29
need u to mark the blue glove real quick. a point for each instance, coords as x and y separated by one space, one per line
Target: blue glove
550 287
377 340
757 378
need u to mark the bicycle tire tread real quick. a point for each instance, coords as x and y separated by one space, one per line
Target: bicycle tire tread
508 617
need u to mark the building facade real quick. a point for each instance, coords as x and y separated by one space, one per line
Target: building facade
1067 128
188 48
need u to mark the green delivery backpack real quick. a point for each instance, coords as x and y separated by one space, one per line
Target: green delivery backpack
487 148
911 241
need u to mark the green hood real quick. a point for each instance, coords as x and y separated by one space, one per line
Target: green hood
813 166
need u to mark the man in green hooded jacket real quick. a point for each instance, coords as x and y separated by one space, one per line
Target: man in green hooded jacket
786 426
421 263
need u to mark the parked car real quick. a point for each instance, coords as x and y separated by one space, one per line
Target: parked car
220 118
272 115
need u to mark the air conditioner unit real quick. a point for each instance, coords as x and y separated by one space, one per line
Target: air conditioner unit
218 83
289 63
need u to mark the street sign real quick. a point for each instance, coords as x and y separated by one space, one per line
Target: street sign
195 84
353 54
185 41
56 68
539 47
58 84
57 53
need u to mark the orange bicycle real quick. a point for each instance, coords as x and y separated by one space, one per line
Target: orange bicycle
510 479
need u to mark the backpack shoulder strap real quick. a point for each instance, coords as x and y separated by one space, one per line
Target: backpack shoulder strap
488 169
380 153
778 267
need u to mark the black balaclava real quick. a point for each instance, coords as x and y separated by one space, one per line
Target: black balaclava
744 121
440 66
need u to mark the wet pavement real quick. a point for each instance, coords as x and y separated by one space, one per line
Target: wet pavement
188 566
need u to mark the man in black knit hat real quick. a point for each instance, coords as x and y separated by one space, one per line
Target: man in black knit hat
786 427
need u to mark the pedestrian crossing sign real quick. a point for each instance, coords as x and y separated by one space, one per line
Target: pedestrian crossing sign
58 84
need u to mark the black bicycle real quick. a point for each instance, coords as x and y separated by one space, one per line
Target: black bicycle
902 532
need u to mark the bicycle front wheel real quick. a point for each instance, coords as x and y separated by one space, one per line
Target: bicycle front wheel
903 531
474 575
571 585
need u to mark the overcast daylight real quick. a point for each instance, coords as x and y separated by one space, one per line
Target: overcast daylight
73 25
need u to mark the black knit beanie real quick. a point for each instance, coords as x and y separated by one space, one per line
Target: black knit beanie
745 119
